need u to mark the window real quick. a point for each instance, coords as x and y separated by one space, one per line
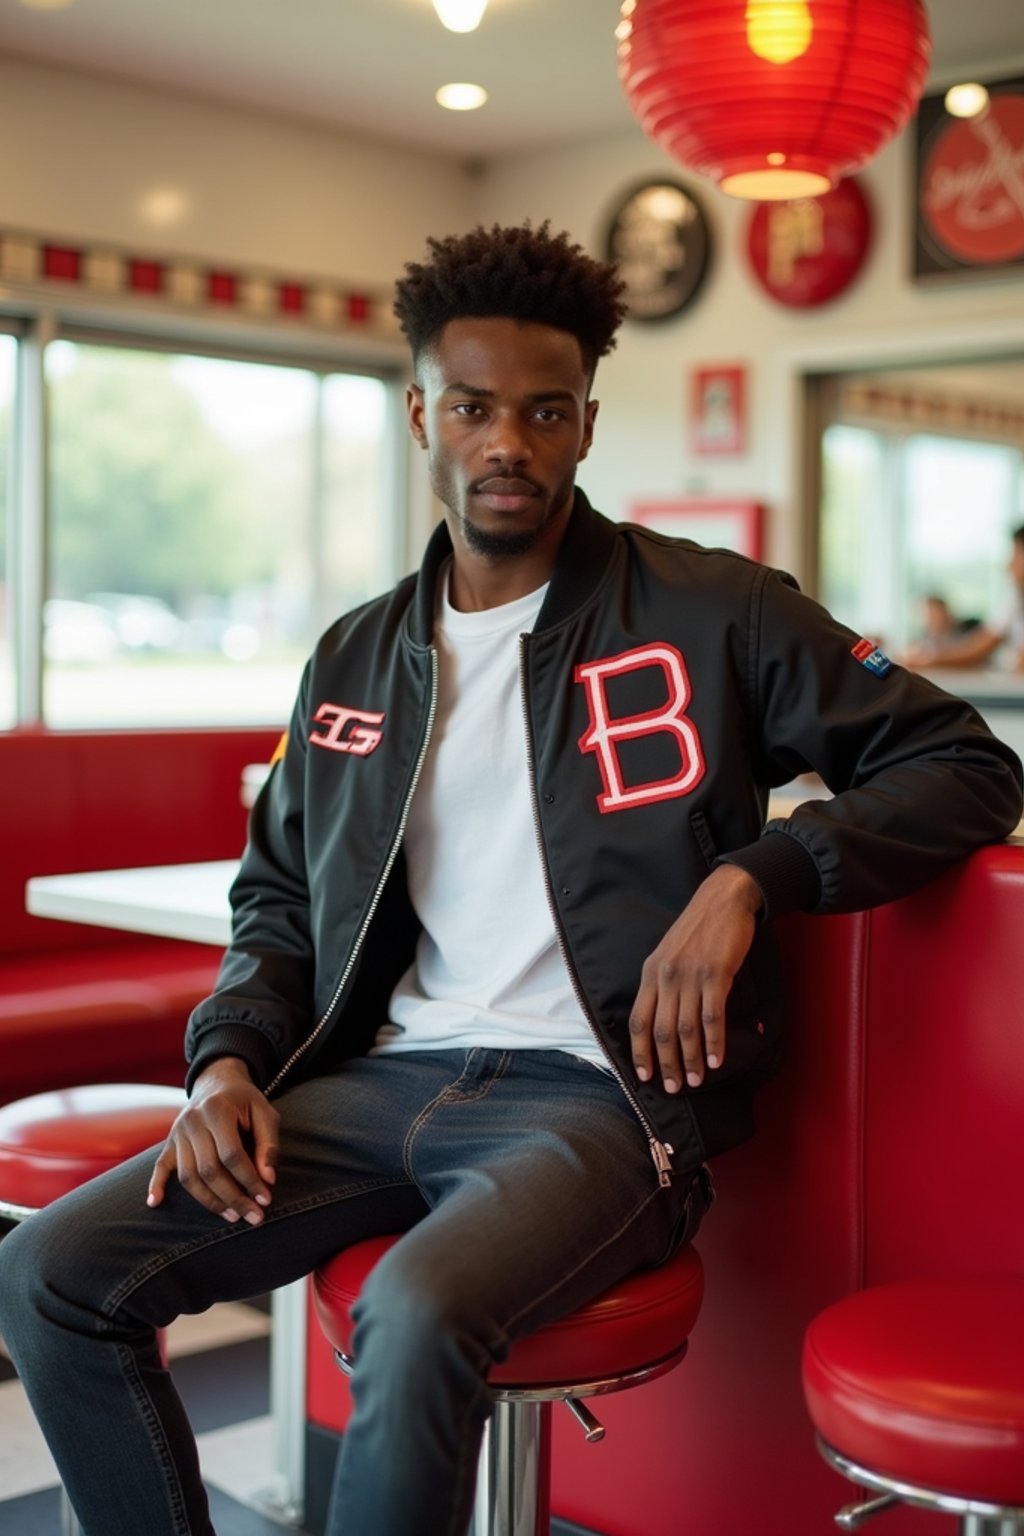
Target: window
8 365
908 516
208 518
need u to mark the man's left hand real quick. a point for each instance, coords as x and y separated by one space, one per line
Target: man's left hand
678 1019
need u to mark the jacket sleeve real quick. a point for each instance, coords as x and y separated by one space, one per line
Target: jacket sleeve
918 779
263 1001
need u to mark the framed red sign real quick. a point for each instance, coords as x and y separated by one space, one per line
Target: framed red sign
969 216
718 410
715 522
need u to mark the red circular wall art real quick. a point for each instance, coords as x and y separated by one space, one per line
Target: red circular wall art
807 251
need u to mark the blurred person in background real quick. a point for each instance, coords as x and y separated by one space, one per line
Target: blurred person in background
971 644
941 631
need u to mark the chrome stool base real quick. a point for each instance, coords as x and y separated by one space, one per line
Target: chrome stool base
512 1472
977 1518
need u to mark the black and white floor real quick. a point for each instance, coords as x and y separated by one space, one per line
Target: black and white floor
221 1368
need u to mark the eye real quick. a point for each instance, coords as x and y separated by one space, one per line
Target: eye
470 408
548 413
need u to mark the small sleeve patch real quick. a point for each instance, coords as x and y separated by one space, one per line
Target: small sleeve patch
871 657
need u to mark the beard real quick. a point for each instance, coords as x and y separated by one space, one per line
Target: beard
499 546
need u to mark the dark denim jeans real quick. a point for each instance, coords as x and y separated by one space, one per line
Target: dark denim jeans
523 1183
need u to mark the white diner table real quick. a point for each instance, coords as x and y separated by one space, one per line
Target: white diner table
190 901
172 901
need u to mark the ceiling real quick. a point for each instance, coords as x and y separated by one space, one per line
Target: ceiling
371 67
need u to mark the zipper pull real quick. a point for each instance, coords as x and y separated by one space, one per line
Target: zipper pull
660 1154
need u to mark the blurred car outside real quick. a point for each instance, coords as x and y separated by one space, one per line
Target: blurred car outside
74 631
142 623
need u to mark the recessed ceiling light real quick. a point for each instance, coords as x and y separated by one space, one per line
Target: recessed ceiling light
460 15
163 206
47 5
461 96
967 100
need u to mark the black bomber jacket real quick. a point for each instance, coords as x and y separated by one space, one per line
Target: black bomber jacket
666 689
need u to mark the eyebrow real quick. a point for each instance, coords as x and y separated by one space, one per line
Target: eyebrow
476 393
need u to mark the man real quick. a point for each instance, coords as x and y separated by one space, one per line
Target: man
501 976
942 631
974 646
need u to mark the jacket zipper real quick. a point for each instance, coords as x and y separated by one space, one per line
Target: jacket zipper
661 1151
375 902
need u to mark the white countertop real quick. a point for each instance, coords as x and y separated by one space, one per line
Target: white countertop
173 901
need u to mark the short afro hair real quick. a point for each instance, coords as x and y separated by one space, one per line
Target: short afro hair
517 273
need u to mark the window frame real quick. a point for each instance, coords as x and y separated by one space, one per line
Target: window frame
28 510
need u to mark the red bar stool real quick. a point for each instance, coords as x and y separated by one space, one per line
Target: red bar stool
636 1331
53 1142
916 1389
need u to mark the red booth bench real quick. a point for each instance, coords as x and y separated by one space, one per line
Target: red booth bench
890 1146
82 1004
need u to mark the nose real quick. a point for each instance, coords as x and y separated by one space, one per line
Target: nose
507 441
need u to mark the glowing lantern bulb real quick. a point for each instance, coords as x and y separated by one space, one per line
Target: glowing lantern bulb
779 31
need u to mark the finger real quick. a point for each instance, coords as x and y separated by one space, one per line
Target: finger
640 1032
713 1023
689 1036
203 1176
266 1147
667 1037
165 1166
248 1193
254 1170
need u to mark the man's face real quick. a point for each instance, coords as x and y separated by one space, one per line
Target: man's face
501 408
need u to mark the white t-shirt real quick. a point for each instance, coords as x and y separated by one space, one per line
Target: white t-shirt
488 970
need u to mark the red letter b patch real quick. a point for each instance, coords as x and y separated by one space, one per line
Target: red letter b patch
604 733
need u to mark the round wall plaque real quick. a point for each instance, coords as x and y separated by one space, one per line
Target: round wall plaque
807 251
660 240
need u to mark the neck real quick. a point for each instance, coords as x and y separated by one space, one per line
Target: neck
477 583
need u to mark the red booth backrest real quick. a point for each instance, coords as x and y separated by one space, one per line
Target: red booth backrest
75 800
83 1004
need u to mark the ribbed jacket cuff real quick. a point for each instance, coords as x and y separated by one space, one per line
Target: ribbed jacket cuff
783 870
233 1040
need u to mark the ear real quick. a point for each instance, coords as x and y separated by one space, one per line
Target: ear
590 411
414 414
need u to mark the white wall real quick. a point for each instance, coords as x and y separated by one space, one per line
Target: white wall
80 153
641 448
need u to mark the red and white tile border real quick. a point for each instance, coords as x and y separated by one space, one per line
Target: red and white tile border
182 283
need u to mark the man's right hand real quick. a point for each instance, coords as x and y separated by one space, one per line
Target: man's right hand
223 1146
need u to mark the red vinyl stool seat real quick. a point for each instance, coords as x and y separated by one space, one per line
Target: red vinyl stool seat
917 1389
52 1142
633 1332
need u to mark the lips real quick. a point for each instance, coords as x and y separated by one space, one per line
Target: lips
506 494
504 485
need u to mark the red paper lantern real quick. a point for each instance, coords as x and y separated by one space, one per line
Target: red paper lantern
773 98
